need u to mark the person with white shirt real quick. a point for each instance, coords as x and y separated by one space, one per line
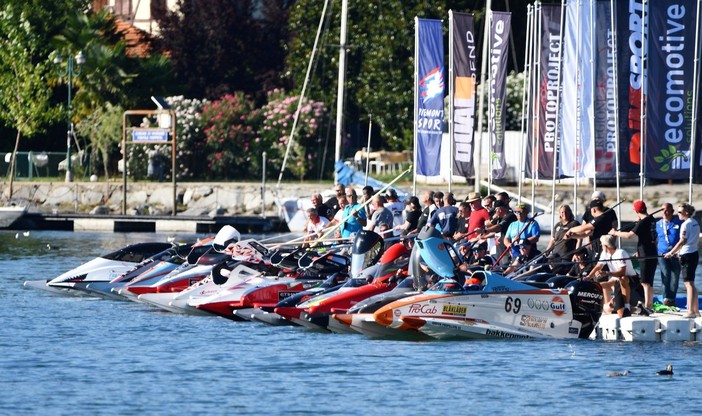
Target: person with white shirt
686 249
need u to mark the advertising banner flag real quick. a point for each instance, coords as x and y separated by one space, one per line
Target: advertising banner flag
550 65
605 98
576 151
430 96
670 83
631 81
499 40
464 75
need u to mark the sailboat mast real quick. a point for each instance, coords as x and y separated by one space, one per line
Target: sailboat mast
341 82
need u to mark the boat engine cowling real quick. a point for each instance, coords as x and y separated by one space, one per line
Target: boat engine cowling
586 299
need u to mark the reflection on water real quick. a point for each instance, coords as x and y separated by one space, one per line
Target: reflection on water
68 355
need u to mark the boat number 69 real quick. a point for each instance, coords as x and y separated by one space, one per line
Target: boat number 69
513 305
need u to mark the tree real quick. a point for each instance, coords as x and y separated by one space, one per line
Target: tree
225 46
103 128
24 95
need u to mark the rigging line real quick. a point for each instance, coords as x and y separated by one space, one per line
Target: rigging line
302 93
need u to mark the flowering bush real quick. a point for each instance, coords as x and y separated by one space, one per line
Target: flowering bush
278 117
190 130
233 149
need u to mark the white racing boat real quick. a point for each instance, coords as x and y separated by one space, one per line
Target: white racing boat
496 307
101 269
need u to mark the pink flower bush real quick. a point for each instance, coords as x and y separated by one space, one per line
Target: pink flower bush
277 120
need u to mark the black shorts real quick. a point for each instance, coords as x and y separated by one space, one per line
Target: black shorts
688 263
647 269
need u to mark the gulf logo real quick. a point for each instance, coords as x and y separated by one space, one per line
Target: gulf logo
558 306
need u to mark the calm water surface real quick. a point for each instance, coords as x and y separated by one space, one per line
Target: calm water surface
66 355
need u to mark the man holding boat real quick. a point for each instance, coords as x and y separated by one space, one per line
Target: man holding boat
645 231
523 228
617 279
354 214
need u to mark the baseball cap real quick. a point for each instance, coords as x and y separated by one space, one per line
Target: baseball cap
598 195
639 206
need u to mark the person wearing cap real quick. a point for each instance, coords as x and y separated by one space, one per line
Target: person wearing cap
445 219
687 250
599 196
668 231
477 259
600 225
646 251
558 244
478 215
523 228
528 254
617 279
582 264
414 211
396 208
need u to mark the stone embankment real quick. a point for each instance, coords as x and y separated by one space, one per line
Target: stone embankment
221 198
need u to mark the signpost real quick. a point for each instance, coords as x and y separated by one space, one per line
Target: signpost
137 135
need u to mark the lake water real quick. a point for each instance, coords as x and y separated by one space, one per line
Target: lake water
66 355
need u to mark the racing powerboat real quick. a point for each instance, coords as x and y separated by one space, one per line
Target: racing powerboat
489 305
265 291
380 278
103 268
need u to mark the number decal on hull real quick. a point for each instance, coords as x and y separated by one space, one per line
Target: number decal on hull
513 305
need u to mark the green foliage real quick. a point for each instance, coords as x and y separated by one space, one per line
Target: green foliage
225 45
24 95
232 146
103 129
380 60
278 116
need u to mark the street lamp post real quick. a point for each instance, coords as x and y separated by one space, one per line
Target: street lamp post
73 66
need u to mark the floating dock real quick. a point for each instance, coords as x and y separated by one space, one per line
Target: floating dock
653 328
141 223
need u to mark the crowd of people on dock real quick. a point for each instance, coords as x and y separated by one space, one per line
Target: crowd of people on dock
498 233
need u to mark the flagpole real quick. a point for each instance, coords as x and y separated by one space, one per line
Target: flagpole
695 161
537 115
341 87
416 110
451 89
481 105
616 109
526 92
556 147
642 127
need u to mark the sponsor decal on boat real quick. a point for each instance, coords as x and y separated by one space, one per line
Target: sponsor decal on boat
503 334
539 305
422 309
500 289
531 321
558 306
454 310
572 330
284 294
